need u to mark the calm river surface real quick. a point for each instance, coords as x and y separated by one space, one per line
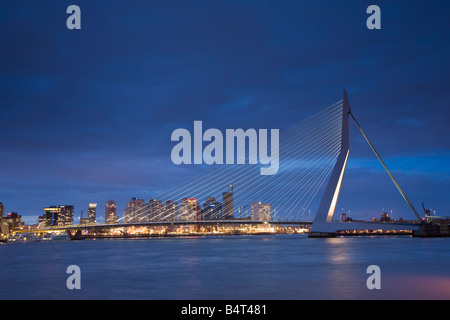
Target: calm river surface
277 267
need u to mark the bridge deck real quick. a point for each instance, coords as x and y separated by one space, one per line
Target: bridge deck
328 227
169 223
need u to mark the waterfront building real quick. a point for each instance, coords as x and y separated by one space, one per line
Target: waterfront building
58 215
155 211
14 220
212 210
92 212
66 215
385 217
170 211
50 216
188 209
260 211
83 220
228 207
134 211
2 212
111 216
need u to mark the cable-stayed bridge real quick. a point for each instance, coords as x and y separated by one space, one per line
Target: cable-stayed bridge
324 224
308 151
313 155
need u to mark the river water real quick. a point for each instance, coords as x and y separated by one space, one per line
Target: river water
280 267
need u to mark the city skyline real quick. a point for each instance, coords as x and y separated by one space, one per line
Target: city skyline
86 123
141 211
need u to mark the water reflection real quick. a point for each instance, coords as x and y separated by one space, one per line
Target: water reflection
230 268
417 286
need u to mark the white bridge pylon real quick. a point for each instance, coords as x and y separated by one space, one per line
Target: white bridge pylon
323 224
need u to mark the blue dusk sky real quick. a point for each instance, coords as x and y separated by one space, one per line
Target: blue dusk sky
87 115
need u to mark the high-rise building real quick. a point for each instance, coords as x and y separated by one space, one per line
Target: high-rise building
170 211
46 219
134 211
92 212
155 210
111 216
385 217
228 207
188 209
82 219
2 212
212 210
14 220
260 211
66 215
58 215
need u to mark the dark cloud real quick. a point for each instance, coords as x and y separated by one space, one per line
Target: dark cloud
87 115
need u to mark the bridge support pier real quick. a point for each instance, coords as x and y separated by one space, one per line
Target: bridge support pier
323 225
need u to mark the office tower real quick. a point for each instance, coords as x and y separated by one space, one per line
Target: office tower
155 210
260 211
188 209
228 207
111 216
42 221
50 216
14 220
66 215
58 215
134 211
2 212
170 211
92 212
385 217
83 220
212 210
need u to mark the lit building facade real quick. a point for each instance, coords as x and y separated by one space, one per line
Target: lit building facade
212 210
228 206
260 211
155 211
385 217
14 220
170 211
134 211
2 212
92 212
57 215
188 209
111 216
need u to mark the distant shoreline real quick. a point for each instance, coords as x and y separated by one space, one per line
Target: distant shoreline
187 235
